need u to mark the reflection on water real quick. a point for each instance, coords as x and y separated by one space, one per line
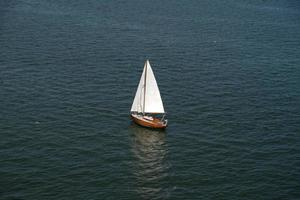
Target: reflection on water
150 169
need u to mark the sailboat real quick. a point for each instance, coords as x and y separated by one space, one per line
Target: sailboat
147 108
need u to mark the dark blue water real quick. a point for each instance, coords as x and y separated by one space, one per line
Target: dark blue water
229 75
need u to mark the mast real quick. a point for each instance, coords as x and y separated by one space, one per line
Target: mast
145 86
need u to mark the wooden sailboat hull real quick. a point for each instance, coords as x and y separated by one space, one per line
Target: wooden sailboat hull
155 123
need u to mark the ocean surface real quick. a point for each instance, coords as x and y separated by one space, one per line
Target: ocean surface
229 76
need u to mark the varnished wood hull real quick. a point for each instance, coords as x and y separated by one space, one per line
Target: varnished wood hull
155 123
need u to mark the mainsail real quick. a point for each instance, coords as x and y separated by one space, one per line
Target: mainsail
147 98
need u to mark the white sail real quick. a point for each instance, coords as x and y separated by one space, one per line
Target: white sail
153 102
147 98
138 102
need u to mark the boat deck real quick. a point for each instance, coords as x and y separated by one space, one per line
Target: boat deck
147 121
